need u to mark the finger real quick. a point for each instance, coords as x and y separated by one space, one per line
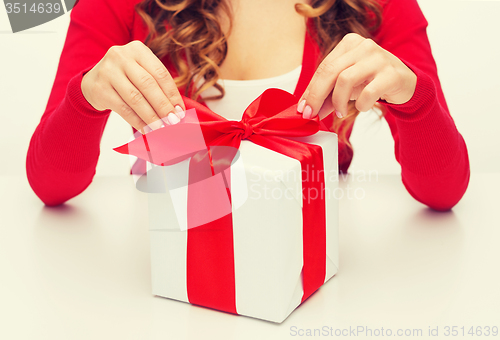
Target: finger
150 62
356 91
354 76
323 80
135 99
150 89
118 105
349 42
327 108
373 92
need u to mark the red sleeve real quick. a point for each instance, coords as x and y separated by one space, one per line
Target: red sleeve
64 148
431 151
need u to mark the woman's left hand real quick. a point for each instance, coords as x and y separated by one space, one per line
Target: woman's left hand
356 69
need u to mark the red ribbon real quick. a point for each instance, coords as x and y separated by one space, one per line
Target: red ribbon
267 122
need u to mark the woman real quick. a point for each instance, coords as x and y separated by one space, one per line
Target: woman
136 57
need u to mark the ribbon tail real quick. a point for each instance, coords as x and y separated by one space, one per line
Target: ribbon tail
123 149
170 144
210 250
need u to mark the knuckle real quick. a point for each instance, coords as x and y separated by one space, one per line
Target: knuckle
172 92
326 68
162 74
321 68
369 44
105 70
114 51
135 44
343 80
378 59
351 37
370 92
136 97
126 111
114 56
330 68
165 106
147 82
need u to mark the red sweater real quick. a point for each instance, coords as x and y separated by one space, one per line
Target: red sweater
64 149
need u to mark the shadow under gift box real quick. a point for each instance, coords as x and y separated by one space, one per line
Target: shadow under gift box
266 197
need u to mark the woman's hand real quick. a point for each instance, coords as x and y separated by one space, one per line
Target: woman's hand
356 69
134 83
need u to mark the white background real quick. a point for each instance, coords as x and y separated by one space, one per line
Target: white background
464 36
81 270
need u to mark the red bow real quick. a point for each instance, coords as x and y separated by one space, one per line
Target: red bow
273 114
211 142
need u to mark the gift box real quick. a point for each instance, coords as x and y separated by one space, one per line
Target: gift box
243 216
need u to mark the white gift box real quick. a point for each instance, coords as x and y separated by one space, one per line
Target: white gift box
266 194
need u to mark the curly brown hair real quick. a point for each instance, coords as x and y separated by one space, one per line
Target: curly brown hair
191 36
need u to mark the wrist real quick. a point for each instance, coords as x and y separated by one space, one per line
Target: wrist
75 93
409 81
421 101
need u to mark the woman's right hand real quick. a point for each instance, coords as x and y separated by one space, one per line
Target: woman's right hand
131 81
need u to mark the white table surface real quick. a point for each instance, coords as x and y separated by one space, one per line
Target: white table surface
82 270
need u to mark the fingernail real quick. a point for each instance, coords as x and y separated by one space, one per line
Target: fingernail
147 129
339 114
180 111
172 118
301 105
307 112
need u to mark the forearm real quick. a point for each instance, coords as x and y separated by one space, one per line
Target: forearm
64 149
432 153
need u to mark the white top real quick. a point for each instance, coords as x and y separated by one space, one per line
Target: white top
240 93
